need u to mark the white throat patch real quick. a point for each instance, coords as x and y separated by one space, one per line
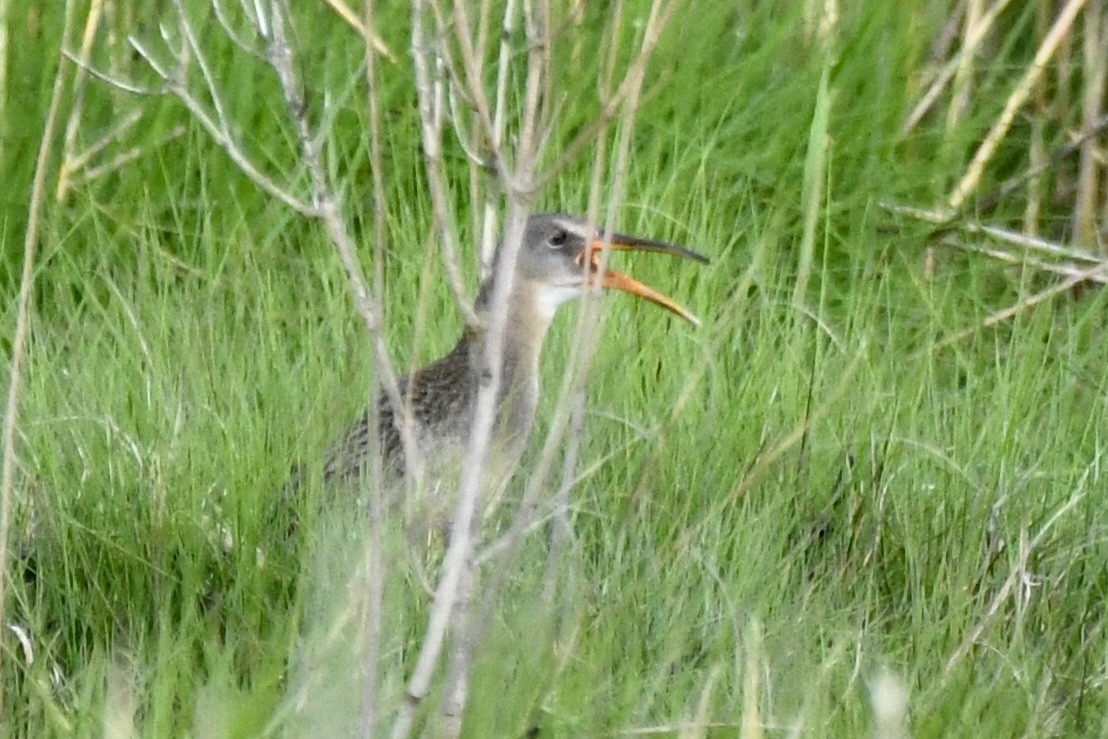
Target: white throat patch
550 298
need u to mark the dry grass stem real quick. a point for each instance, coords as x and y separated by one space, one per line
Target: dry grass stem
1086 205
1059 31
374 554
1075 278
5 20
376 44
1065 270
963 76
974 35
1032 243
23 320
92 22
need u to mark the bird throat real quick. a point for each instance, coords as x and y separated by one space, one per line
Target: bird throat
521 351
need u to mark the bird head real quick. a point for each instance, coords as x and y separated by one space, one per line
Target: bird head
559 259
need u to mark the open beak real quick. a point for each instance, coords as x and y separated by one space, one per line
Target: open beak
613 279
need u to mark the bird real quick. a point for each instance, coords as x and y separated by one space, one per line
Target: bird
558 260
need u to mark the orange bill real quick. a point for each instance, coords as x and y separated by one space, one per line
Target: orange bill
619 281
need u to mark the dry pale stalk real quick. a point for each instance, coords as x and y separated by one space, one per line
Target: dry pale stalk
5 19
23 318
963 77
974 36
92 22
374 43
374 555
429 94
455 582
1076 278
1065 270
1019 96
1095 39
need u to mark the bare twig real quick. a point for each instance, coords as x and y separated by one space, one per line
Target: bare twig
375 556
429 93
1031 243
244 45
23 316
609 109
86 175
327 208
218 129
499 121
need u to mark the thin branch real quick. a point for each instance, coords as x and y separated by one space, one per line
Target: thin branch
327 208
73 161
499 123
241 43
375 559
202 63
149 58
430 116
608 110
122 159
127 87
221 135
471 65
1032 243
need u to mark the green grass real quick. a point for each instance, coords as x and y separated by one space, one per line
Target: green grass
832 498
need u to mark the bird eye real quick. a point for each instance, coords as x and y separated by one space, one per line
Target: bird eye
558 239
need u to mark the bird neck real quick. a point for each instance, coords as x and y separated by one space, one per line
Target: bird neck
528 321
